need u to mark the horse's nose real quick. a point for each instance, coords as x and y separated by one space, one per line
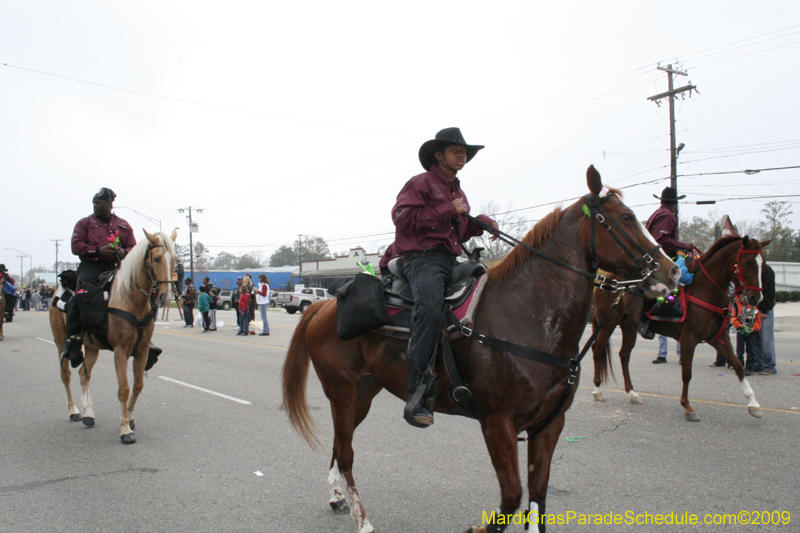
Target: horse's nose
675 273
162 299
754 298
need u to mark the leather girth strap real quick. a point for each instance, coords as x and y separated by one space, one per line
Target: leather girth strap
138 324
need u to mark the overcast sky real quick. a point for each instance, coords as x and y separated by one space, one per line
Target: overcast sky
287 118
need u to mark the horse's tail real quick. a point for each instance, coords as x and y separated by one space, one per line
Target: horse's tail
295 376
602 361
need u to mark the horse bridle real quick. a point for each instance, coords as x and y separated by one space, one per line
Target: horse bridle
593 209
736 271
150 270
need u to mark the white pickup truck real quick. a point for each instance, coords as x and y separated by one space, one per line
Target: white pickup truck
299 301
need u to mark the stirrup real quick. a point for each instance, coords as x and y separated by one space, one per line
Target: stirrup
419 408
645 331
152 356
72 350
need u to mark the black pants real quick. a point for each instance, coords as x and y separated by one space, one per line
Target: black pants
428 273
87 270
188 314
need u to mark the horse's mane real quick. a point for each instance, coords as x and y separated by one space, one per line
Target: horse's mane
538 235
541 232
719 244
131 270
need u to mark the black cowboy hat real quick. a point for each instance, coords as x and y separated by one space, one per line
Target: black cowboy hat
105 194
3 268
446 136
669 194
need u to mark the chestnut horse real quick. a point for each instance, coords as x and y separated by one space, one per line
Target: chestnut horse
730 259
148 265
533 301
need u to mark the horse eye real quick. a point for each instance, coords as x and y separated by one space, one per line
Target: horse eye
157 259
627 217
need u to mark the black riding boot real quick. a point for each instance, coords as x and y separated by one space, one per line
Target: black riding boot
152 356
421 396
644 320
72 350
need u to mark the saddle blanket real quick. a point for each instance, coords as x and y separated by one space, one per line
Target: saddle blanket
400 319
674 312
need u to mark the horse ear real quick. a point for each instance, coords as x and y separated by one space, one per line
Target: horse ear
152 238
593 180
765 243
174 235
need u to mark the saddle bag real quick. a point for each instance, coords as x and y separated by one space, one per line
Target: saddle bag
91 300
360 307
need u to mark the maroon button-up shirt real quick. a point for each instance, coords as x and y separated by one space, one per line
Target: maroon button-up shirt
424 211
91 233
663 225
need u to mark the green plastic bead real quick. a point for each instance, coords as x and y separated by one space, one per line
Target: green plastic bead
661 299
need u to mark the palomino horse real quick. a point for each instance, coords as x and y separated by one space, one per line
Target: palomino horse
730 259
148 265
539 303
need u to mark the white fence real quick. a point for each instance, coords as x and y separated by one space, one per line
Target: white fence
787 276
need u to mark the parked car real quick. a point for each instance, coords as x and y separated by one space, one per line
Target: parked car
225 301
273 298
299 301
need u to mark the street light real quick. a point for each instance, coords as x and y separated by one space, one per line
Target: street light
21 269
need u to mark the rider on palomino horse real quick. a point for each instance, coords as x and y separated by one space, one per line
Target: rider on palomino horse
101 240
425 216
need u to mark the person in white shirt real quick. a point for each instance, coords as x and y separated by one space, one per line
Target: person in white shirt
262 299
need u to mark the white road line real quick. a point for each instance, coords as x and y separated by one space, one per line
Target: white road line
245 402
44 340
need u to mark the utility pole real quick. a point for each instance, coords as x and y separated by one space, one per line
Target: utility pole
671 94
56 241
300 257
193 228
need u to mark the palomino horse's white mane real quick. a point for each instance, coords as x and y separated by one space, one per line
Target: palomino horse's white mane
132 271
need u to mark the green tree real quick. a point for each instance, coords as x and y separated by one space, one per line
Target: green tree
510 223
775 226
251 260
698 231
283 256
224 261
309 247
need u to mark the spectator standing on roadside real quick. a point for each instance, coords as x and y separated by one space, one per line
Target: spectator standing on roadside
262 299
235 301
767 309
747 321
244 311
189 301
202 305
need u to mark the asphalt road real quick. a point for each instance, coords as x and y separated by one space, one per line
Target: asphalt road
205 462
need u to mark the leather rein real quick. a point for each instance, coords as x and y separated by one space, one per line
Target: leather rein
592 209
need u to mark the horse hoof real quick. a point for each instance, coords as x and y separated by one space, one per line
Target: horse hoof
692 417
756 412
75 417
128 438
339 507
598 397
88 421
636 399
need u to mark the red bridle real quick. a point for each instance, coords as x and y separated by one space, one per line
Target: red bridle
738 271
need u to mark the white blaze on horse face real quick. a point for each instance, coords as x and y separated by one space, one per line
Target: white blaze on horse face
648 235
760 263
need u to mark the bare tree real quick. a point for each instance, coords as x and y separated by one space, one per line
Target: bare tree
511 223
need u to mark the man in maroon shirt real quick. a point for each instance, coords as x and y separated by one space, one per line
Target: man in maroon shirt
98 254
663 226
425 236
